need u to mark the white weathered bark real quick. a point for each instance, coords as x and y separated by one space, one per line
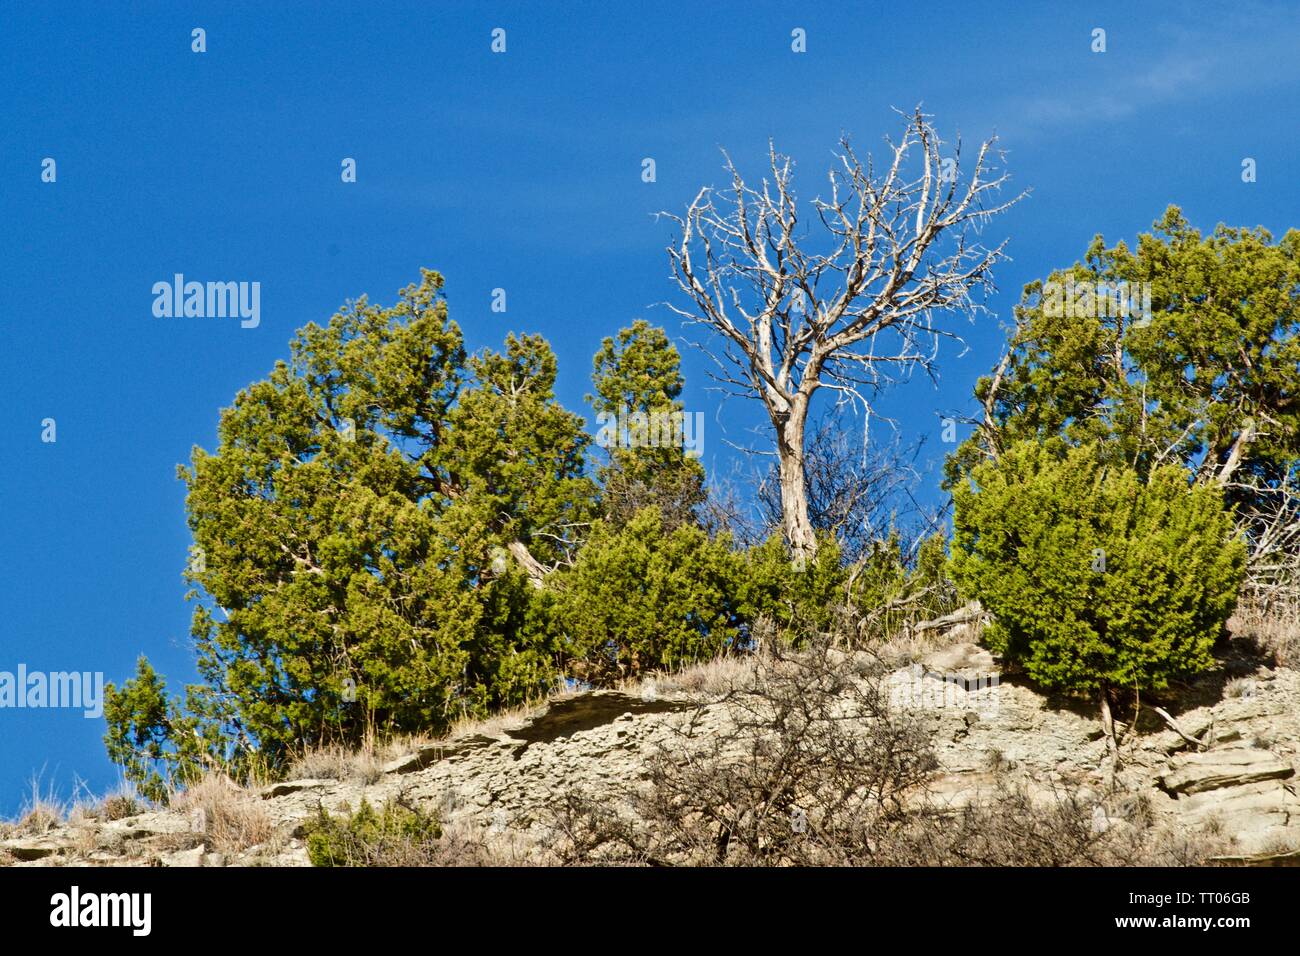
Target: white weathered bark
849 309
795 519
535 570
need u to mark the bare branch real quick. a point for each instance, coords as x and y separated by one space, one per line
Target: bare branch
862 302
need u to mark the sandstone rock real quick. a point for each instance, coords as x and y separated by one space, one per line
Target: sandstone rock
32 848
1263 858
570 715
149 824
957 791
1267 801
293 786
445 750
193 857
968 660
1222 767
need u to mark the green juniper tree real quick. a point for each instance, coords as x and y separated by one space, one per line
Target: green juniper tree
638 382
370 534
152 738
797 601
1182 351
1098 579
1207 375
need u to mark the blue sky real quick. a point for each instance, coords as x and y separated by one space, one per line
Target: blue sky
519 170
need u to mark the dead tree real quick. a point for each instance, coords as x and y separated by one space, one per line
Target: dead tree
859 495
858 302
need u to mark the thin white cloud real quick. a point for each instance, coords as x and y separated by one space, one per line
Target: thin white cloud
1223 58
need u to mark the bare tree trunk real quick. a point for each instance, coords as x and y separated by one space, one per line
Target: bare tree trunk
797 525
1108 729
1235 455
852 307
535 570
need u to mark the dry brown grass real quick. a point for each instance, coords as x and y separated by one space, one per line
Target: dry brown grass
41 812
1279 844
117 804
471 845
338 762
366 762
230 817
908 648
1275 628
496 723
38 820
1017 826
706 679
714 678
1240 687
83 843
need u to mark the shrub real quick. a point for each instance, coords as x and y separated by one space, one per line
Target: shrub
1095 579
1182 349
119 806
395 835
643 598
891 595
1055 826
41 811
874 598
800 601
809 768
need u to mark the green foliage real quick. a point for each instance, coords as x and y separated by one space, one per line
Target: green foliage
395 835
637 376
642 596
147 737
798 601
889 592
163 742
511 457
870 600
930 572
1095 577
1215 365
352 534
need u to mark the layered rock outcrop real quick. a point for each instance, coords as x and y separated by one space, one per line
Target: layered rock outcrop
1241 783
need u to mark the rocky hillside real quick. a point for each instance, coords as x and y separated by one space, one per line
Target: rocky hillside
1239 781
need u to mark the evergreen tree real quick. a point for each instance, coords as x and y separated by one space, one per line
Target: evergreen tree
369 534
1210 378
1097 579
642 597
638 381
